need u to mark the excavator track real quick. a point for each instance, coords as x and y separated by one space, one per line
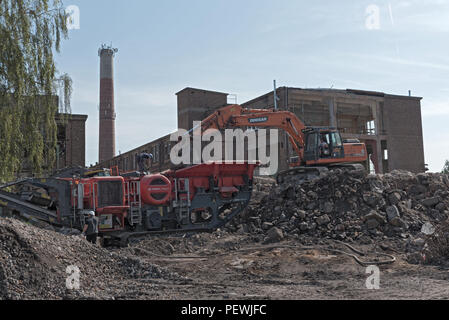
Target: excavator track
302 174
348 166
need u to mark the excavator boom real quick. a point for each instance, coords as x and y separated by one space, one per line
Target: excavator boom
304 140
235 116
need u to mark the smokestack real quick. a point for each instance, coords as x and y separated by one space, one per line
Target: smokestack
107 109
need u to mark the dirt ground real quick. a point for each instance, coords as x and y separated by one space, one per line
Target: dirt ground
281 247
217 266
237 268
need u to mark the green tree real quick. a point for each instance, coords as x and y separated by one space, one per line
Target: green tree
446 167
30 34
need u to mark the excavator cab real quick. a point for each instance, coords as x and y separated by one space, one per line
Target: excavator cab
322 145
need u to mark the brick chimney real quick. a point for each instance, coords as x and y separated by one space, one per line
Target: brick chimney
107 109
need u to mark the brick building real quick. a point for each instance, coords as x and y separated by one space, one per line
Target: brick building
197 104
71 140
193 105
390 125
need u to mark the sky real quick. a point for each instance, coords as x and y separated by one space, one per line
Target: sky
241 46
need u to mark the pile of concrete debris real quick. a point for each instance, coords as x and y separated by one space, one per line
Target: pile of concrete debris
42 264
347 205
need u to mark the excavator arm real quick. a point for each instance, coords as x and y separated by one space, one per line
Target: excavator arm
235 116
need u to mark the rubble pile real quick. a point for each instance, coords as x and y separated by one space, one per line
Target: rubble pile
434 248
347 205
34 262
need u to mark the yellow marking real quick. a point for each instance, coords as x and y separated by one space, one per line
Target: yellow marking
44 196
3 203
95 171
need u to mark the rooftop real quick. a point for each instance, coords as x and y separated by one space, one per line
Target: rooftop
200 90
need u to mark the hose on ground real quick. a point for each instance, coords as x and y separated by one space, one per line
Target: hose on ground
391 259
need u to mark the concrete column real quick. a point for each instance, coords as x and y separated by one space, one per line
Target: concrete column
332 112
380 155
375 109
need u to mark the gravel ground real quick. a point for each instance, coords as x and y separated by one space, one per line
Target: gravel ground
284 246
220 265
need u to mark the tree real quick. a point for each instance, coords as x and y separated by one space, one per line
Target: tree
446 167
30 34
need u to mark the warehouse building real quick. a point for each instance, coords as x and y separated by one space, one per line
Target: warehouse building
389 125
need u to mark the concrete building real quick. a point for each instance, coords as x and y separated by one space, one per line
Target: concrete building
107 109
390 125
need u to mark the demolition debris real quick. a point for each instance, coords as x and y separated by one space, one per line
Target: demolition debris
345 205
398 213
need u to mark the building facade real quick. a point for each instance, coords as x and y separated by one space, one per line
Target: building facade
193 105
389 125
71 147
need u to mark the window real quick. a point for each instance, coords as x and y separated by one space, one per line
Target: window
156 153
167 151
355 118
110 193
371 127
312 142
336 139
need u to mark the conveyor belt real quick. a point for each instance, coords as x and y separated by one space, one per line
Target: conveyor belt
13 201
13 183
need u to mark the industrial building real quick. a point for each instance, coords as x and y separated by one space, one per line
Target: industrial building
71 146
389 125
71 141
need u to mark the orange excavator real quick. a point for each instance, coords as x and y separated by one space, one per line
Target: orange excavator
318 149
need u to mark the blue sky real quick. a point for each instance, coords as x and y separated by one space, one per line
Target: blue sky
239 47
